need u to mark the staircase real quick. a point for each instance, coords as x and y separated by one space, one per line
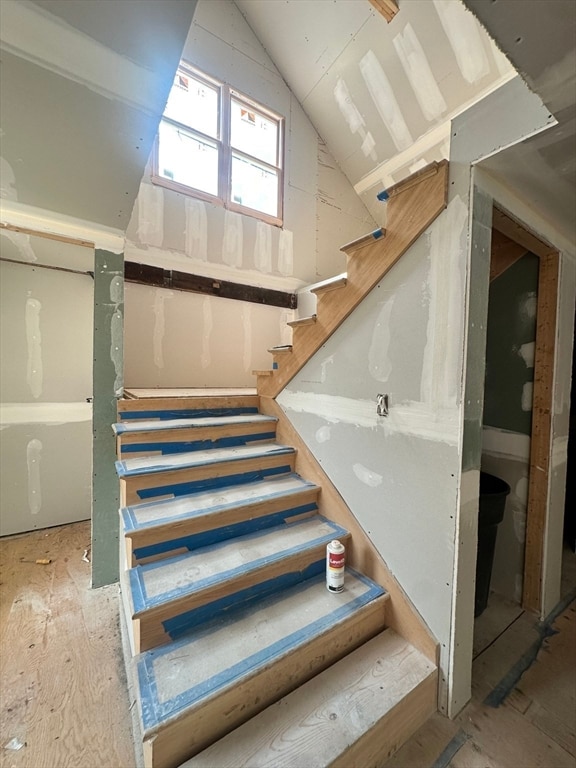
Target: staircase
238 654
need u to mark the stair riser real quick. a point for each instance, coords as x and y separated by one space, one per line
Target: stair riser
203 724
186 407
168 622
162 442
181 482
185 535
379 743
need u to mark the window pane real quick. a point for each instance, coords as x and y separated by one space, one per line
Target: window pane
252 133
193 103
188 159
254 185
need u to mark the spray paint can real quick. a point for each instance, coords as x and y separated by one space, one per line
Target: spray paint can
335 562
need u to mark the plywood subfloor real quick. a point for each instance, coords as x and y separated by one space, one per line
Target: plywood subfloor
535 725
62 682
63 690
183 392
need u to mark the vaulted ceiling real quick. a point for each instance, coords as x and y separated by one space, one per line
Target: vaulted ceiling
84 83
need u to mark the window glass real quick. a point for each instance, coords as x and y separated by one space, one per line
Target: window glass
193 103
188 159
253 133
254 185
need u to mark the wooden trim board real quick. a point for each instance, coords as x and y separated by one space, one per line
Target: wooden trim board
503 253
388 8
542 402
409 214
362 554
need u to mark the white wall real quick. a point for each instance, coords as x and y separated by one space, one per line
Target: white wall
45 379
170 230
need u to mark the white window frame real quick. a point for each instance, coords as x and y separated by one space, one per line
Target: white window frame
225 150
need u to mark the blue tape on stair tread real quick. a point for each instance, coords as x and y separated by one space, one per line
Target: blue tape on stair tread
142 601
155 712
156 466
383 196
166 448
186 413
183 489
216 535
131 523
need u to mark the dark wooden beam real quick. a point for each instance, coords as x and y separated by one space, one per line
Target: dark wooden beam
183 281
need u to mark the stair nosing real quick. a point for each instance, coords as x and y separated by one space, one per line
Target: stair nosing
151 425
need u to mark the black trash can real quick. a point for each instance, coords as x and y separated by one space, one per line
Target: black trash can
493 493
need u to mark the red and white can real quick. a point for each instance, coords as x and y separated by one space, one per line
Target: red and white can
335 563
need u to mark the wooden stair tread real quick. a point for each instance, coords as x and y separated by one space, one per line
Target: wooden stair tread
153 464
281 349
362 242
331 284
170 579
302 321
206 503
313 725
179 392
204 421
173 682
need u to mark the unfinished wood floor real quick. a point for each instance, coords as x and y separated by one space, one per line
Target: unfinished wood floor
63 689
62 682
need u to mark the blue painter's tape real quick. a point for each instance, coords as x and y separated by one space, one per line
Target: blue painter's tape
183 489
196 445
186 413
130 520
154 711
180 625
377 233
145 602
215 535
275 366
383 196
155 465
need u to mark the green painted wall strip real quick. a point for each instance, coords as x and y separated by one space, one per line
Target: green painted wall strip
108 386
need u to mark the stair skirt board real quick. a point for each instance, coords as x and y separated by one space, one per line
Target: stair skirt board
355 713
283 640
219 577
189 522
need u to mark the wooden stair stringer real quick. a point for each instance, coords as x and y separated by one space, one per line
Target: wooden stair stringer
409 215
362 555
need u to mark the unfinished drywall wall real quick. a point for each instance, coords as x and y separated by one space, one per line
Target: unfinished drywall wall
171 230
174 338
510 346
190 341
45 381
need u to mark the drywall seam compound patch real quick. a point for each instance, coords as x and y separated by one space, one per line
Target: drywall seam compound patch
196 243
22 241
439 383
117 332
417 68
207 325
463 33
263 247
247 328
354 119
285 252
160 298
34 371
151 215
505 444
367 476
379 363
385 101
233 241
33 457
417 419
56 414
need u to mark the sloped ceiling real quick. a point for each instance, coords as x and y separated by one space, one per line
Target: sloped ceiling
382 95
82 89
